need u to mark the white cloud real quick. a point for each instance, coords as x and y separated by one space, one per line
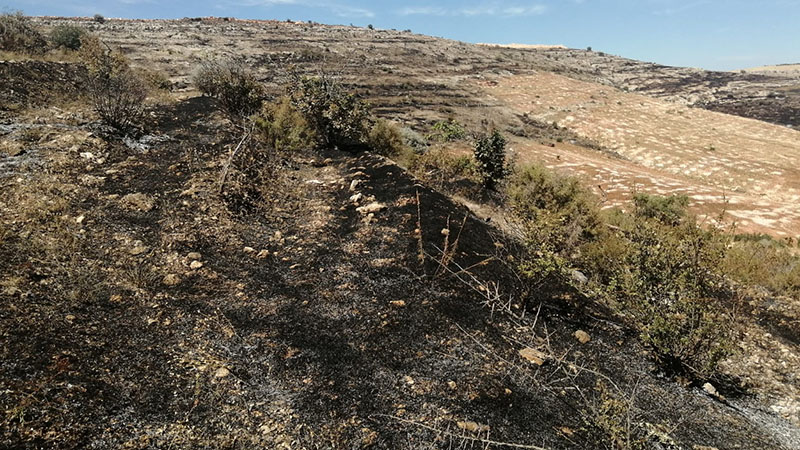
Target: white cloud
485 9
340 10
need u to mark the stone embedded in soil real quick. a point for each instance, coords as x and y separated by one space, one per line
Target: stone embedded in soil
222 373
356 198
399 303
194 256
582 336
195 265
262 254
138 248
249 250
472 427
354 185
137 201
371 208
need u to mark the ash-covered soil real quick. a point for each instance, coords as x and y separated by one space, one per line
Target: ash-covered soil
142 309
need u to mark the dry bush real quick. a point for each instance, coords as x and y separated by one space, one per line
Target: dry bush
18 34
758 260
116 91
446 172
386 139
283 128
239 94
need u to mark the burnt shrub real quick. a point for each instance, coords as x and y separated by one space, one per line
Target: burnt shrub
234 86
116 91
18 34
67 37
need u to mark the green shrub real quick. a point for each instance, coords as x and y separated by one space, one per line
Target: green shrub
385 139
18 34
555 211
338 118
555 216
116 91
666 209
490 154
235 87
67 36
447 131
667 280
99 18
282 127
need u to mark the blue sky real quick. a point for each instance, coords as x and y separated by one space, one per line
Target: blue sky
712 34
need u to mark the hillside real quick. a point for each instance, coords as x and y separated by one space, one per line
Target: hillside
417 80
333 299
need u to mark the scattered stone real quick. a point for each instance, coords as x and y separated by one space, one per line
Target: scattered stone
533 355
582 336
70 317
371 208
138 248
408 380
579 277
262 254
356 198
398 303
222 373
194 256
445 231
452 385
79 220
354 185
171 280
195 265
249 250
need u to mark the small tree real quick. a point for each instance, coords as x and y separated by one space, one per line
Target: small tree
490 153
338 118
67 36
99 18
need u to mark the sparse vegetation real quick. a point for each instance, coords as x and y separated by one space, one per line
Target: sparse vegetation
18 34
98 18
447 131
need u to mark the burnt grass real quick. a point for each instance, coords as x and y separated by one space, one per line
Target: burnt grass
340 337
